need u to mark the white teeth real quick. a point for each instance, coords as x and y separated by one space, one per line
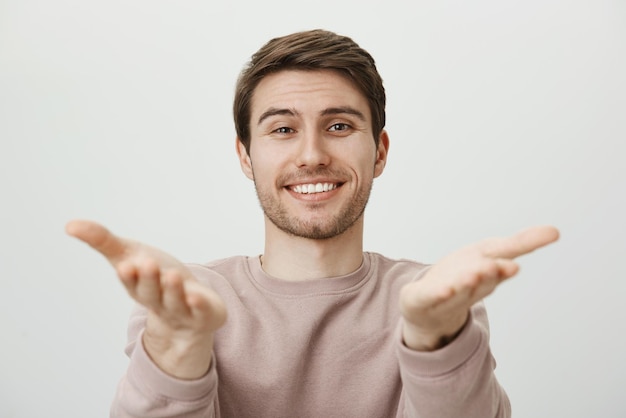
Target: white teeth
314 188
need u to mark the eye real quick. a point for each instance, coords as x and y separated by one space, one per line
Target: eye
283 130
339 127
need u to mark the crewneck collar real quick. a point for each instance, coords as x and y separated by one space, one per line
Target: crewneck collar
329 285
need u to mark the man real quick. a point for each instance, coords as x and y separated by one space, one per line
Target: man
316 326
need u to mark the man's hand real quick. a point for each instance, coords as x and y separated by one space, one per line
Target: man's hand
436 307
182 313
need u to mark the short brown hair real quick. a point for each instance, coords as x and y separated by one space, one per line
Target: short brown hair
310 50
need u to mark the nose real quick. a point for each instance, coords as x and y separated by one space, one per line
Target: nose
312 150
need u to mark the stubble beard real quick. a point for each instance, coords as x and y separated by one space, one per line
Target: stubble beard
317 228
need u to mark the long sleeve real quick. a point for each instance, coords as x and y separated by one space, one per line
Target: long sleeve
146 391
456 380
327 347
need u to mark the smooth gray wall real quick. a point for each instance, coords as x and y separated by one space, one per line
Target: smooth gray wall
502 115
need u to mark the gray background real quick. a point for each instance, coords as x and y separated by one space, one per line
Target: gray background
502 115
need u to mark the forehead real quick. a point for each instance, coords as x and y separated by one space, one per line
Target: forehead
307 90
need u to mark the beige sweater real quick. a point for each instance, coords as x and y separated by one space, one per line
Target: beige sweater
321 348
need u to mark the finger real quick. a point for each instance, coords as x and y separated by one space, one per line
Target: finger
523 242
97 236
198 300
481 280
501 270
205 303
127 272
506 268
148 289
484 277
174 300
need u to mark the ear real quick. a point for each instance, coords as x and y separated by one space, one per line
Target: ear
381 153
244 159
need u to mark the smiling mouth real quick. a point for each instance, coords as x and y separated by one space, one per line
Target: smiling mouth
312 188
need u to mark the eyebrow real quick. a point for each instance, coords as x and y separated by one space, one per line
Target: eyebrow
343 110
273 111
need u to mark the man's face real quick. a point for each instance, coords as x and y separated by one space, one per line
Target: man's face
312 152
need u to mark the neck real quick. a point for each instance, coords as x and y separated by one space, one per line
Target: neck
294 258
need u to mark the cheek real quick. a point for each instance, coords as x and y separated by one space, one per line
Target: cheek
264 169
271 158
366 164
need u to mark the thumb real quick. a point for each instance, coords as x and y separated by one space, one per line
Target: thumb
97 236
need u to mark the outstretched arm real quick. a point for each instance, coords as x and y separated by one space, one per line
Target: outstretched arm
182 313
446 378
436 307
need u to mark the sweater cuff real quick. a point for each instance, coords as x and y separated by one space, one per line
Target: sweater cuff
146 376
446 359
